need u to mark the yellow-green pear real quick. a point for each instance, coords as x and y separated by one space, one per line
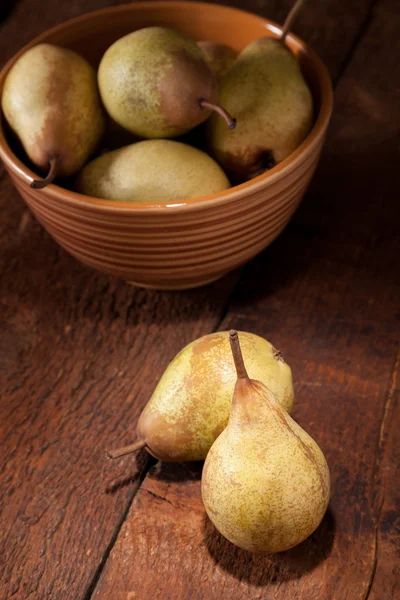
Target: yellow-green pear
155 83
51 101
156 171
219 57
265 483
270 99
191 403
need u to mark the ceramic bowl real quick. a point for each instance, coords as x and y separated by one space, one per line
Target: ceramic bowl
187 243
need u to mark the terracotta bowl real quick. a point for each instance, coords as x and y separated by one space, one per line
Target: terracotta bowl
187 243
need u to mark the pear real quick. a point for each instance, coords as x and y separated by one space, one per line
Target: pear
156 83
219 57
191 403
152 171
267 93
265 483
51 101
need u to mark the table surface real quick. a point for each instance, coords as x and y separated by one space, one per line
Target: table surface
80 353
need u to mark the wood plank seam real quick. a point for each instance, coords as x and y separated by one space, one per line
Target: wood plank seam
142 474
365 23
380 455
140 477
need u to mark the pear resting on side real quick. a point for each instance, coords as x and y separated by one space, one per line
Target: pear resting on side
191 403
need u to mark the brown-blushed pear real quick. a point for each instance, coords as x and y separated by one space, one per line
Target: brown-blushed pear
51 101
191 403
266 91
156 83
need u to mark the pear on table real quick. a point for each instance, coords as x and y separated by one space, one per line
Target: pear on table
265 482
191 403
51 101
156 83
155 171
267 93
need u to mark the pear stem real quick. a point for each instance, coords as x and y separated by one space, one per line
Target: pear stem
230 121
51 175
126 449
237 355
291 18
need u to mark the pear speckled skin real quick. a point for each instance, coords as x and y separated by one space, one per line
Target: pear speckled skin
191 403
265 482
269 97
219 57
152 80
50 99
152 171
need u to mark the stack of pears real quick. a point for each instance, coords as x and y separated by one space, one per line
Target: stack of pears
265 482
156 84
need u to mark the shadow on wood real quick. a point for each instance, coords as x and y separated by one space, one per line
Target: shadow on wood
185 472
262 570
142 463
6 6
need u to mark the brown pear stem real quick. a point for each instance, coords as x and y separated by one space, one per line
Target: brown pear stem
230 121
291 18
237 355
51 175
126 449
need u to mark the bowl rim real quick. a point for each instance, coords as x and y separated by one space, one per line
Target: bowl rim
56 192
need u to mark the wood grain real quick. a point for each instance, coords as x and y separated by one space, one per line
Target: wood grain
324 293
79 361
80 353
385 582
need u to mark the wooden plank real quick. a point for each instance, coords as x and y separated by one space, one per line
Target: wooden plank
385 582
79 355
79 358
325 294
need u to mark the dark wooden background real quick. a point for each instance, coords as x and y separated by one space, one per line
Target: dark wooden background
80 353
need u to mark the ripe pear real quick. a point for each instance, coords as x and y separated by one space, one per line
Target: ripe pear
156 83
265 483
51 101
219 57
191 403
266 91
152 171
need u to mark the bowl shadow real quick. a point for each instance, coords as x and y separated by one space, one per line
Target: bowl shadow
261 570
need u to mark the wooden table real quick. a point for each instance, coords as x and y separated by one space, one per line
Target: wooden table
80 353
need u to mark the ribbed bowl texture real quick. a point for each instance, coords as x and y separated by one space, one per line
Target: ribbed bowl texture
186 243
